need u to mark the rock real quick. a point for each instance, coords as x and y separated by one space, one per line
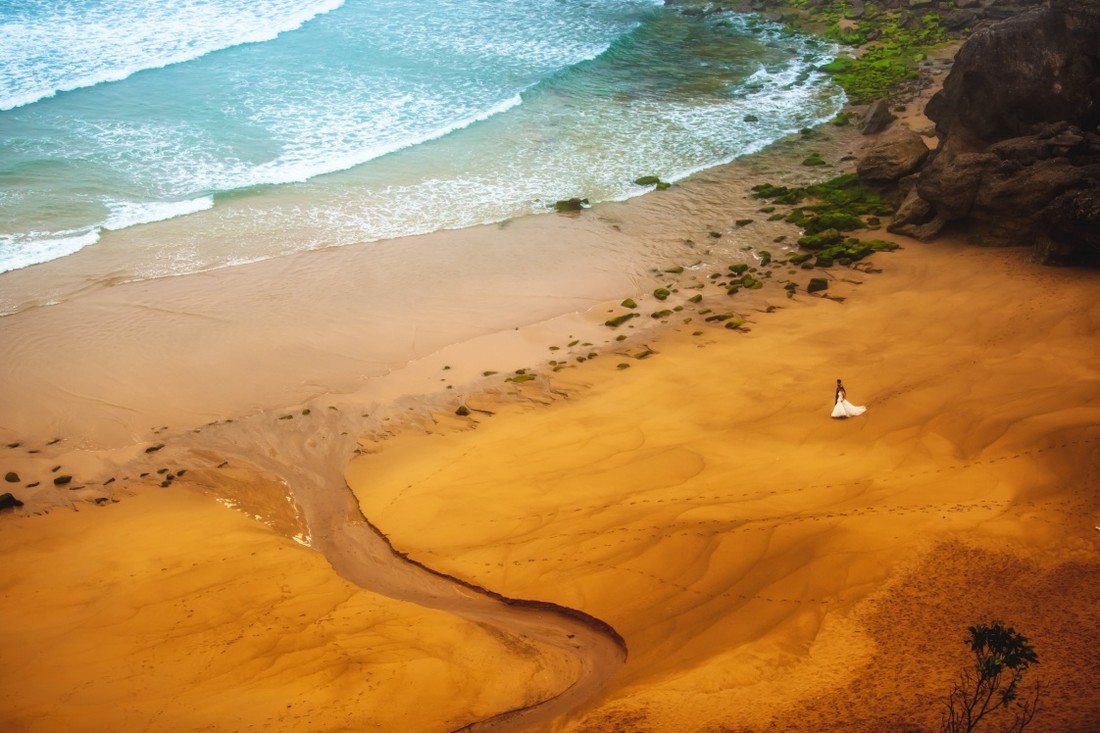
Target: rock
11 477
573 204
1072 222
892 155
462 411
619 320
7 501
1037 67
1019 155
916 218
821 239
816 284
877 117
62 480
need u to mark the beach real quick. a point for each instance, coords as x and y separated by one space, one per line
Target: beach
276 519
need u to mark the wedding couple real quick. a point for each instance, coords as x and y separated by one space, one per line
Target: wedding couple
844 408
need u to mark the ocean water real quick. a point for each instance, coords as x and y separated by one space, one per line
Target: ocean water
184 135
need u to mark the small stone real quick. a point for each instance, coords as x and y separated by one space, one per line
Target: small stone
11 477
62 480
7 501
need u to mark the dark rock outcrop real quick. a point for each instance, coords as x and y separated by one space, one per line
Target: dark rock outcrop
877 118
1019 155
892 155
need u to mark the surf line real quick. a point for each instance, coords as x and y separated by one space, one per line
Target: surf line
310 467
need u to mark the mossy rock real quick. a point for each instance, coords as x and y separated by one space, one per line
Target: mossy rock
843 119
851 249
8 501
839 220
798 217
766 209
814 159
734 324
647 180
573 204
739 268
879 245
662 186
750 118
462 411
719 317
777 217
765 257
750 282
695 298
824 262
816 284
715 235
521 378
821 240
629 303
675 270
743 222
661 314
733 290
844 193
619 320
661 293
801 257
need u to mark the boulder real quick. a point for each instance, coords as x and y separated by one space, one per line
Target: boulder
1019 157
877 118
1031 69
892 155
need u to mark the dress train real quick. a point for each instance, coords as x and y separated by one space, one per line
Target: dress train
844 408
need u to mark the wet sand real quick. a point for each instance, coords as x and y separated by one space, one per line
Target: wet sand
683 493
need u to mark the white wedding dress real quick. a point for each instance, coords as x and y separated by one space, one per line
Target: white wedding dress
844 408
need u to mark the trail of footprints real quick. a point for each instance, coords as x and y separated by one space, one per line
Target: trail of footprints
707 528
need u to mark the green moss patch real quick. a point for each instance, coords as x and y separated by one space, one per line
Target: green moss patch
619 320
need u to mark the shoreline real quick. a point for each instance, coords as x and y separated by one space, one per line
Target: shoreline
299 421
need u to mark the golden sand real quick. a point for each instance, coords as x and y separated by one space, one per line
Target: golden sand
704 504
683 493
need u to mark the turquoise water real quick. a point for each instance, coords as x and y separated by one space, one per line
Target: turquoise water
193 134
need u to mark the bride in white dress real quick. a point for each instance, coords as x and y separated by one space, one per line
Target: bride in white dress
844 408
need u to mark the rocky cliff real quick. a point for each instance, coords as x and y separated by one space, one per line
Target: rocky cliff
1018 160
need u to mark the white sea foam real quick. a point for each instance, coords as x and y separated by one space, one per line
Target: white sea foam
416 139
82 44
33 248
301 163
131 213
